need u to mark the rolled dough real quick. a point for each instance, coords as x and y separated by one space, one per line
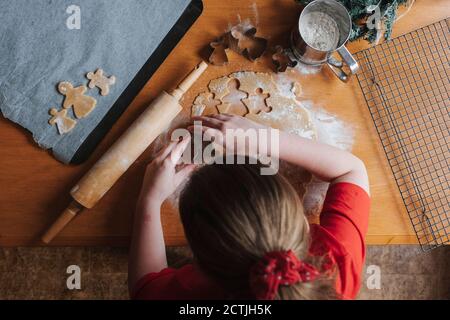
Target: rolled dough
286 112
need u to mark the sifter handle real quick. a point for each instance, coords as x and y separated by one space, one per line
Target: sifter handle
337 66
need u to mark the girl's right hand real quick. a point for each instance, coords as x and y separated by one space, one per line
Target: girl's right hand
161 176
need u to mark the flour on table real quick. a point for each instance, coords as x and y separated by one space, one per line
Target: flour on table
330 129
305 69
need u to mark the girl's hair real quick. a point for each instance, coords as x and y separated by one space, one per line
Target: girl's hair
232 216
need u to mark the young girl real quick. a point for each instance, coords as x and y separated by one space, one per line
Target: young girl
248 232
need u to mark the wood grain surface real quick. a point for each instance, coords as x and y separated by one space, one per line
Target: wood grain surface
34 187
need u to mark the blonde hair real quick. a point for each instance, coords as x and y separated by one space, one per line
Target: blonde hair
232 216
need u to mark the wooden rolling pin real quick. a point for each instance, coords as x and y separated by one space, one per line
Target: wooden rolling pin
108 169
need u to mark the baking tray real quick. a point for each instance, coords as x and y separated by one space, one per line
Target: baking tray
187 19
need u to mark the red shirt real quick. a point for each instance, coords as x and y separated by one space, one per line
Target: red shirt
343 225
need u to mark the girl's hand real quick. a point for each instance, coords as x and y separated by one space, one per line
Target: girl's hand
161 177
216 127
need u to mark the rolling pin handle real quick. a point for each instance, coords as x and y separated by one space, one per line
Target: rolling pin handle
65 217
189 80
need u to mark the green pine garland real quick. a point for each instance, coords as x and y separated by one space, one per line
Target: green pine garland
358 12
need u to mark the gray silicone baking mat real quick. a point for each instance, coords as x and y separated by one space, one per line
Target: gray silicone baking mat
38 51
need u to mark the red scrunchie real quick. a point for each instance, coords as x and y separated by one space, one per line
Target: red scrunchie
278 268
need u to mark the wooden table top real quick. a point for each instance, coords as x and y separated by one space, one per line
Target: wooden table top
35 187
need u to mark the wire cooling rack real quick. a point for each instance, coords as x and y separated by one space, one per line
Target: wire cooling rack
406 85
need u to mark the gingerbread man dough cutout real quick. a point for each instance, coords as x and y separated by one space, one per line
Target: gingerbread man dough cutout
82 105
256 102
99 80
61 120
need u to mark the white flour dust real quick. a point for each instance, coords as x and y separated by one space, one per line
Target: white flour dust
320 31
246 22
306 69
329 129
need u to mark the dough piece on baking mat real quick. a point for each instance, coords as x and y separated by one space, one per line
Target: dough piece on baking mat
99 80
63 123
74 97
205 103
256 102
232 101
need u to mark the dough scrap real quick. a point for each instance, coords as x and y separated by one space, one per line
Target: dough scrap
63 123
74 97
99 80
205 103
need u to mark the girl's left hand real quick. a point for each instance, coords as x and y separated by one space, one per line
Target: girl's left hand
161 177
216 126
